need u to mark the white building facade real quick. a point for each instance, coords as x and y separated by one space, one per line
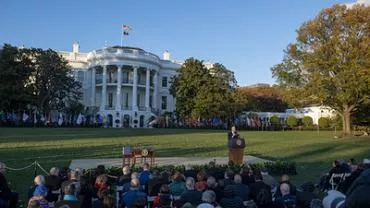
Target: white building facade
127 86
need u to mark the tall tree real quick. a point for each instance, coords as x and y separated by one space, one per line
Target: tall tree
16 68
38 77
202 92
330 60
54 87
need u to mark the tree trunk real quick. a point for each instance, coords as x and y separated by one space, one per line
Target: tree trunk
346 117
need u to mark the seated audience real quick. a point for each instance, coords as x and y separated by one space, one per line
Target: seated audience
247 176
163 199
268 179
285 179
208 199
240 189
100 183
74 178
201 184
286 199
129 197
6 195
306 194
228 178
358 192
213 186
53 182
145 175
40 192
191 195
126 177
177 187
260 192
230 199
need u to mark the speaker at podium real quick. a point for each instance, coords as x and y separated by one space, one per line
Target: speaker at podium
236 150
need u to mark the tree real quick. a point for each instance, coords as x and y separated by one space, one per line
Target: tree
202 92
54 87
15 69
330 60
263 98
307 121
324 122
37 77
292 121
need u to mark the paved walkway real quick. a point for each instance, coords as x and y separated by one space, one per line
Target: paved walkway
117 162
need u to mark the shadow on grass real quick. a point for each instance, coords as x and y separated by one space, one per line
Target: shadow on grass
47 134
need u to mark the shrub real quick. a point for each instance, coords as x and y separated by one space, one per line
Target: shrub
274 120
307 121
324 122
292 121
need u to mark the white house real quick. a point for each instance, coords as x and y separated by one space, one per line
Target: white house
126 85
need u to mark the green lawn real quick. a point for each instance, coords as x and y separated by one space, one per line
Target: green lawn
313 151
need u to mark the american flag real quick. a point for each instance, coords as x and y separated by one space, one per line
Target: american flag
126 29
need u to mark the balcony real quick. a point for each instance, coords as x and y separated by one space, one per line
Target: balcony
107 107
141 108
125 107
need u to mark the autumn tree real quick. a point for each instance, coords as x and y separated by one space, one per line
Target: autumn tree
330 61
262 98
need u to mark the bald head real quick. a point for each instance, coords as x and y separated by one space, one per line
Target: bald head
284 189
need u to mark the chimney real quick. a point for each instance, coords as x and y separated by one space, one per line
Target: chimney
76 47
166 55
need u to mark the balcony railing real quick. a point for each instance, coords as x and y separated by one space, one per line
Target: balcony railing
125 107
142 108
107 107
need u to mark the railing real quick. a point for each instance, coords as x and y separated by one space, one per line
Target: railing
142 82
107 107
124 107
155 111
142 108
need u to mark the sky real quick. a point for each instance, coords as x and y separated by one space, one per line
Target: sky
246 36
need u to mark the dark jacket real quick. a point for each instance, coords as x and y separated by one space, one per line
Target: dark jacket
358 192
230 199
4 188
192 196
240 190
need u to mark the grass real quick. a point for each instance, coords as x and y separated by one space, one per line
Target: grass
313 151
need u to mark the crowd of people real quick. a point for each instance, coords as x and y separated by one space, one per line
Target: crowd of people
346 184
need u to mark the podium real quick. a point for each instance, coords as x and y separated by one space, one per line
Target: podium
236 150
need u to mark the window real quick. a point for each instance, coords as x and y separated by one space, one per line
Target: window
150 101
110 100
138 100
164 102
164 81
126 100
125 77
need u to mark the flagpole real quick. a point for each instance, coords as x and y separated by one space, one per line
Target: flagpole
121 36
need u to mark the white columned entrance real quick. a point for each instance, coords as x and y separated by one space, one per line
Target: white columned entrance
134 90
104 89
147 89
155 96
93 86
119 87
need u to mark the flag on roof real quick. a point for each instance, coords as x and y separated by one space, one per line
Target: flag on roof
126 29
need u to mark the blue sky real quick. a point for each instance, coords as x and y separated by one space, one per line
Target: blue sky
248 37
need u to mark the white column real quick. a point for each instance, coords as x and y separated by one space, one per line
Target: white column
147 89
104 89
119 86
134 90
93 86
155 93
